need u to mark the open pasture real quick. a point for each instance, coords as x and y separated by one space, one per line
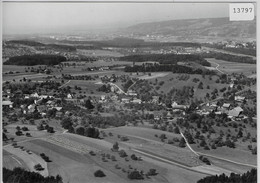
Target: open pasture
11 161
73 167
238 154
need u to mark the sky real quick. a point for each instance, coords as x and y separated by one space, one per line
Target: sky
38 17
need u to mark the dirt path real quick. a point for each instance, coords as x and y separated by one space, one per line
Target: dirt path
217 65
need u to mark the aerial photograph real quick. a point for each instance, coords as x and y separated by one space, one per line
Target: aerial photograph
123 92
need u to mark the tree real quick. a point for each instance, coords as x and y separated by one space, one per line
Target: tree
4 137
18 133
176 130
135 175
115 147
92 132
25 128
38 167
254 151
66 123
152 172
50 130
88 104
182 142
99 173
80 131
122 153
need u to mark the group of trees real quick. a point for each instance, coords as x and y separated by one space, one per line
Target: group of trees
20 175
250 176
175 68
80 77
88 131
30 60
166 58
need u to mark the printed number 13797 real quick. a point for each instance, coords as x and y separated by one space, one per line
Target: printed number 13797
242 10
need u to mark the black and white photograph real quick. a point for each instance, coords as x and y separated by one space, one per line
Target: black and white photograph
123 92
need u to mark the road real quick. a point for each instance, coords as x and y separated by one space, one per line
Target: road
65 84
171 162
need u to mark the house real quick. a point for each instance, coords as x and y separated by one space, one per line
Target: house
226 106
7 103
114 97
178 107
240 99
125 100
31 108
155 99
58 108
50 103
69 96
137 101
131 93
239 109
35 95
42 108
235 113
59 114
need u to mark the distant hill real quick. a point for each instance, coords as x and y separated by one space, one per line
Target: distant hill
212 27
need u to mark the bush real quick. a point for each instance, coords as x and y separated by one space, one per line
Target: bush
99 173
135 175
38 167
50 130
25 128
19 133
133 157
92 153
113 158
115 147
122 153
28 135
205 160
152 172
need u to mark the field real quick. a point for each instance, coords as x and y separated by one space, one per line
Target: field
233 67
69 152
99 53
65 160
